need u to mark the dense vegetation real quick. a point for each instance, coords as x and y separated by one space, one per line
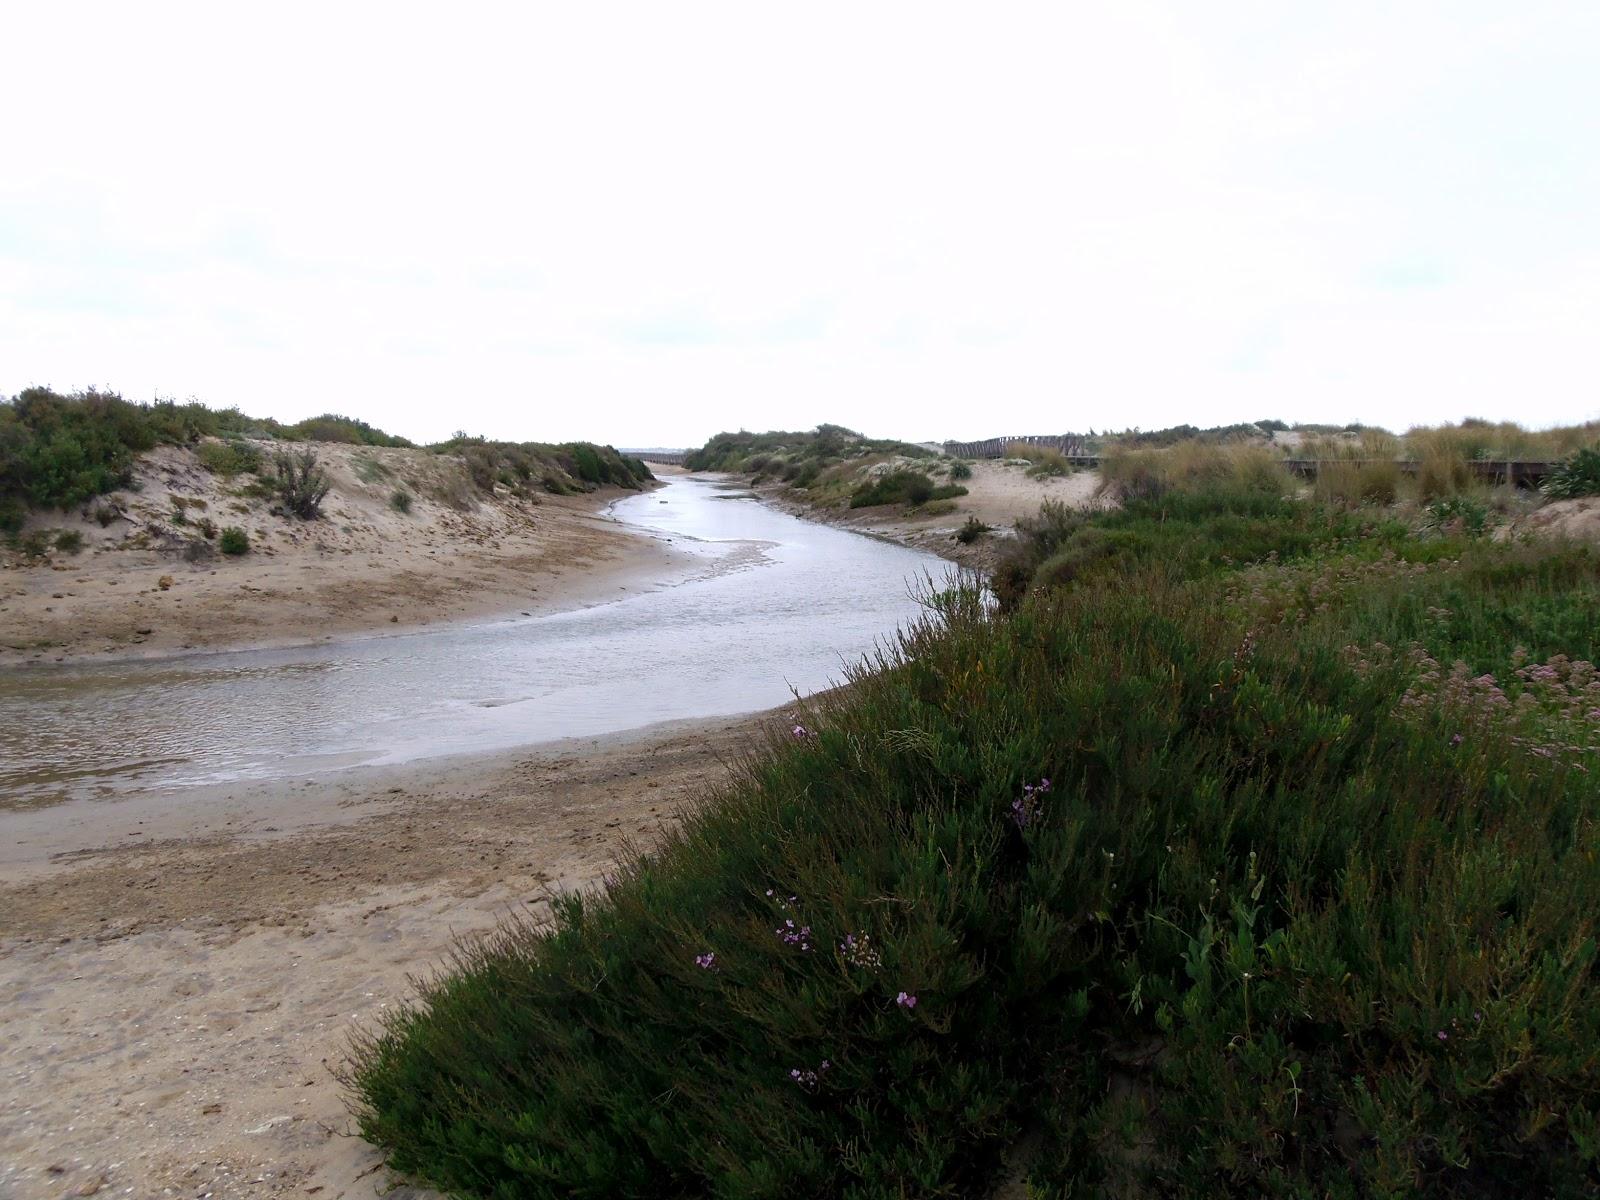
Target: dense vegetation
794 457
902 487
1251 850
59 451
526 467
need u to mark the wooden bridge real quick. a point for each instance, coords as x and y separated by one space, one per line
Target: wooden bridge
671 458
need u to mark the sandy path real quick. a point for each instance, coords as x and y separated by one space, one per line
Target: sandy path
180 973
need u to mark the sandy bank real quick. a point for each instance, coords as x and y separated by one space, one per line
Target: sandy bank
364 567
181 972
997 494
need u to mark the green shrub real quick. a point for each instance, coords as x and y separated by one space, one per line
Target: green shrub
902 487
1175 874
960 470
1460 514
300 483
69 541
59 451
1577 476
229 458
822 447
400 500
331 427
972 531
234 541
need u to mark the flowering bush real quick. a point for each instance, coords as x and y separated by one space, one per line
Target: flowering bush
1287 919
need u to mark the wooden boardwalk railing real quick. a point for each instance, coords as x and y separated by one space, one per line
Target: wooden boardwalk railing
1517 472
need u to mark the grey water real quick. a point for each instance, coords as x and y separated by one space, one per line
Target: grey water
777 606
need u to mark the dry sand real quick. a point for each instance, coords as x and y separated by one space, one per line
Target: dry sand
363 567
998 494
181 973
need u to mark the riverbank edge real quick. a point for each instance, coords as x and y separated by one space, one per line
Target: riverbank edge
596 583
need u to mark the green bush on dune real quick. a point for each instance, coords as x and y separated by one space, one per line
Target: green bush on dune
1204 874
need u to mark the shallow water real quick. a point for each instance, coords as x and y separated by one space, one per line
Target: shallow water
779 606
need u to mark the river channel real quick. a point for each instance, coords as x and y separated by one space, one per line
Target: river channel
775 606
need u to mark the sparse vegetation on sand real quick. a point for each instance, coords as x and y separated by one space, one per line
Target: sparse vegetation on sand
61 451
1250 850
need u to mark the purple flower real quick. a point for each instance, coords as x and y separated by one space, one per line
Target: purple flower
1456 740
800 731
1442 1036
795 936
906 1000
706 962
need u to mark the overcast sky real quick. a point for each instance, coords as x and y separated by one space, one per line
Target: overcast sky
645 223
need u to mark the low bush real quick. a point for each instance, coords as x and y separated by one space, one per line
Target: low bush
972 531
1461 514
234 541
229 458
960 470
902 487
1213 884
400 500
207 528
69 541
300 483
369 469
1576 476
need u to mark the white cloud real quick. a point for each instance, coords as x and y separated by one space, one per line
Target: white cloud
644 223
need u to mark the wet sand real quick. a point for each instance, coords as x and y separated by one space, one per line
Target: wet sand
181 973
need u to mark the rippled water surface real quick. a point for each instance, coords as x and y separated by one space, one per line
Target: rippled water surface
780 604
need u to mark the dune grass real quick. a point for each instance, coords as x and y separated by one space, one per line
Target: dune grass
1046 462
1259 859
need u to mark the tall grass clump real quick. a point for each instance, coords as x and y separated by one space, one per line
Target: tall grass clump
1151 474
1046 461
1352 481
1211 885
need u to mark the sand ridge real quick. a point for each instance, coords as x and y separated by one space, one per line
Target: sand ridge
364 567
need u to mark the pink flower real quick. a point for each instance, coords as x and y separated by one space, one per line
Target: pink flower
906 1000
